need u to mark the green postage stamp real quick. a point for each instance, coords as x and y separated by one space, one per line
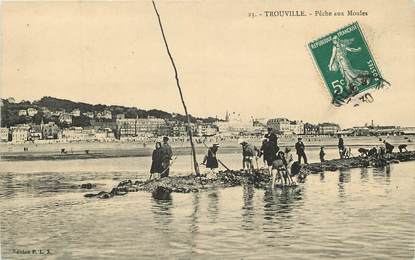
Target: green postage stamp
347 66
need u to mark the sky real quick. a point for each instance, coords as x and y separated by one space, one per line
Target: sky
112 53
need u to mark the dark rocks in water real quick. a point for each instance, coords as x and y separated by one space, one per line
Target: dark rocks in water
92 195
405 156
315 168
161 193
106 195
87 186
331 168
125 184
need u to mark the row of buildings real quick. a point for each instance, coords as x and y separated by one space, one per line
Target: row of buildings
106 126
24 133
123 128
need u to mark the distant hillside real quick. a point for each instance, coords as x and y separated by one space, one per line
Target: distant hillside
9 111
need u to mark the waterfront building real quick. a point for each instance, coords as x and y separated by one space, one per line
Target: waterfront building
285 126
346 132
179 129
386 130
206 129
408 130
310 129
35 132
20 133
78 134
328 128
361 131
144 127
233 125
165 130
50 130
31 111
104 135
4 134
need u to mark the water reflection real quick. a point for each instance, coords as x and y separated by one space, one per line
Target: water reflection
248 207
344 178
382 175
6 188
194 222
161 209
278 209
213 206
364 176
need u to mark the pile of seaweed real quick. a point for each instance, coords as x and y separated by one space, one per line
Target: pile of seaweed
190 183
259 178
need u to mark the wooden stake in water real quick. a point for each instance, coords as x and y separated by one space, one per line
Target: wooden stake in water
176 76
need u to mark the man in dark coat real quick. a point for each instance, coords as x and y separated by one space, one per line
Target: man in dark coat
322 154
166 154
210 159
341 147
272 139
388 147
269 152
300 148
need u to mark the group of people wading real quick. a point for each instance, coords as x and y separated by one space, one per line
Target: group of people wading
280 163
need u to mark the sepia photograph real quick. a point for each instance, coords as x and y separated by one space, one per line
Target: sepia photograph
165 129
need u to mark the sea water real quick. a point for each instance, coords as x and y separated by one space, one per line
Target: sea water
357 213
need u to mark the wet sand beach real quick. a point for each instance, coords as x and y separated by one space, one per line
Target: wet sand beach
78 150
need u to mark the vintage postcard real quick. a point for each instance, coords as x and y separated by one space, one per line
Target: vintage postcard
207 129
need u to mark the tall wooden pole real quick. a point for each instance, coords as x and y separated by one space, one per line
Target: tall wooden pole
176 76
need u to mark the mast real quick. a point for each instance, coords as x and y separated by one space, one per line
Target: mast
176 76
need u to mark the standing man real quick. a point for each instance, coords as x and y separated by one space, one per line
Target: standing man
272 138
248 153
166 154
322 154
300 148
341 147
269 153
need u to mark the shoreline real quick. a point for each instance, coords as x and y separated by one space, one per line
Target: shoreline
75 151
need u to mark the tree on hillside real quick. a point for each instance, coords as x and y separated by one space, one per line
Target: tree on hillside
82 121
